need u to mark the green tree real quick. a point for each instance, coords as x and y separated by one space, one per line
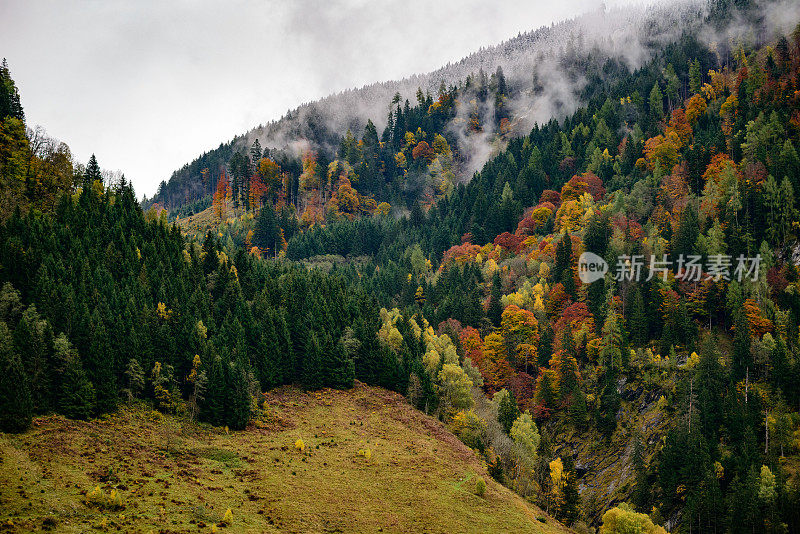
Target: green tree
311 376
337 365
16 406
92 173
526 437
570 505
10 105
656 103
695 76
507 410
76 396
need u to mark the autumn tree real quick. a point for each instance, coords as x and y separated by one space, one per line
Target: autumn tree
455 388
520 331
625 520
495 310
221 197
498 371
198 380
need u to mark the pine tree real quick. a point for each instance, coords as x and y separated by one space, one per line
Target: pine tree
76 396
267 233
563 257
338 367
92 173
16 406
238 403
507 411
609 402
10 105
742 359
569 509
545 348
656 104
212 409
641 491
695 77
255 153
638 319
100 363
33 338
311 377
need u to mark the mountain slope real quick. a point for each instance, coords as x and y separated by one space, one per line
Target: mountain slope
176 476
546 71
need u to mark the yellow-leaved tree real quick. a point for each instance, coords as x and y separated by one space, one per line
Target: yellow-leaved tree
625 520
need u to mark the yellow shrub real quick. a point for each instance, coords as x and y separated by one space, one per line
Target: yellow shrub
97 498
227 519
300 445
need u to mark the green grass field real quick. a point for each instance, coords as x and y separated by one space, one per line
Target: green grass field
170 475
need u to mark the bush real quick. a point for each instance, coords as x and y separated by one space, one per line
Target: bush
227 519
97 498
480 487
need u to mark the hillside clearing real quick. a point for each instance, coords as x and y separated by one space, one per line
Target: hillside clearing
174 476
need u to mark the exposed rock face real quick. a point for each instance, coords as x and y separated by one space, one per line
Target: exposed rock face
604 464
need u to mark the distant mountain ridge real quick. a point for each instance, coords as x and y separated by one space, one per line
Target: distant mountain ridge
540 57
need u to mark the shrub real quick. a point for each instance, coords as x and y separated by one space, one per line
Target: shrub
227 519
300 445
97 498
480 487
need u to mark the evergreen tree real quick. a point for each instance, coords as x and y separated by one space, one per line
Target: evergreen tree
76 395
695 76
338 369
741 357
33 338
16 406
637 325
92 173
10 105
212 409
507 411
100 363
609 402
255 153
267 233
656 104
641 490
238 402
569 509
311 377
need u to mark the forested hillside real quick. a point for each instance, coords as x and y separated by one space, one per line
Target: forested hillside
544 72
699 366
607 312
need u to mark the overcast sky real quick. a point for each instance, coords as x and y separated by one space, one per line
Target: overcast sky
148 85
